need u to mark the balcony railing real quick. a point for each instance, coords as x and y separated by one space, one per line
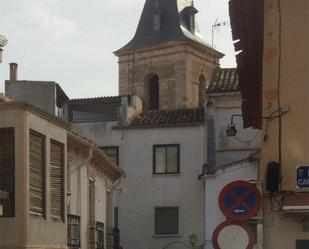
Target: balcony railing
99 235
113 239
73 231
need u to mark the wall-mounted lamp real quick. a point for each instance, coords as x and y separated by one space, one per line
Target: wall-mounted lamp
68 199
231 128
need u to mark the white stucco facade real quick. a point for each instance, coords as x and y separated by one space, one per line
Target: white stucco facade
142 191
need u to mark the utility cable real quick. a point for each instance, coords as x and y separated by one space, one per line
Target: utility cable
278 89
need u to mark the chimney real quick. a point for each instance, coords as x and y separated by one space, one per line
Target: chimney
13 71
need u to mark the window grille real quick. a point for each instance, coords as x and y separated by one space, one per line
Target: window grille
113 238
73 231
99 235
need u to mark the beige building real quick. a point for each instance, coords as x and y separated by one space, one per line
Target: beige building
53 184
275 60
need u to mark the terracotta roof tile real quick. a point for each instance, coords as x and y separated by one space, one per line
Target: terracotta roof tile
178 117
224 80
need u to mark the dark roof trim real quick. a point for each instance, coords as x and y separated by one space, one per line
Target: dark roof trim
154 126
106 100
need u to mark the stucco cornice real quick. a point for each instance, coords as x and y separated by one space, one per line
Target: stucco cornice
13 105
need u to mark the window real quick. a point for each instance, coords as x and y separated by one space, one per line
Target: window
156 22
153 93
112 152
166 220
57 180
166 159
7 172
302 244
201 91
73 231
91 213
37 174
99 235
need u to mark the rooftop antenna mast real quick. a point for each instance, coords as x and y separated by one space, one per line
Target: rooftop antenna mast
214 27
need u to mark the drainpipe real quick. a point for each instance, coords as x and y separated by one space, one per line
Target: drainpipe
78 199
209 153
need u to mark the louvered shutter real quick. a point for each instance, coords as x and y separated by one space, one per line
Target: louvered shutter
37 174
7 172
57 180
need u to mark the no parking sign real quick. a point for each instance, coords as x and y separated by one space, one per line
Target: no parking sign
240 200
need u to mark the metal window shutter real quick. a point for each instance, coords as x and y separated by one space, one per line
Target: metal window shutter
37 174
57 179
7 171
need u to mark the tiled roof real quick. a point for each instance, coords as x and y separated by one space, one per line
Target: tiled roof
161 118
224 80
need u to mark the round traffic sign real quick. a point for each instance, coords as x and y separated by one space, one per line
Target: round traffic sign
240 200
230 235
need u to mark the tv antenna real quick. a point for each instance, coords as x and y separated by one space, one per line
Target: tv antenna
214 27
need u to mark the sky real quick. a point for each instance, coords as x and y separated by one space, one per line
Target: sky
71 42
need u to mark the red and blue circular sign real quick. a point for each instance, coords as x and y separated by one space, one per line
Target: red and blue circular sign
240 200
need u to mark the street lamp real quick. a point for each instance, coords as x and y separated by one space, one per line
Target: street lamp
231 128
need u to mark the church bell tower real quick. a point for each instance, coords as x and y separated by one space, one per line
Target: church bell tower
166 63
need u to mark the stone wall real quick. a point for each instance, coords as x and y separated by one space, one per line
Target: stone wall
178 66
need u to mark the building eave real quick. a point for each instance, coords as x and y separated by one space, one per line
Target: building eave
13 105
98 158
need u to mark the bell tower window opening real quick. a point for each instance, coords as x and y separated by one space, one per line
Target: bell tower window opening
153 93
202 88
192 23
157 22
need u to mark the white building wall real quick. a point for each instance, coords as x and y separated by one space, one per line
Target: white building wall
141 191
246 141
79 182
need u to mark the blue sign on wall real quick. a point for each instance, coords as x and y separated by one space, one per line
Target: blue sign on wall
302 180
